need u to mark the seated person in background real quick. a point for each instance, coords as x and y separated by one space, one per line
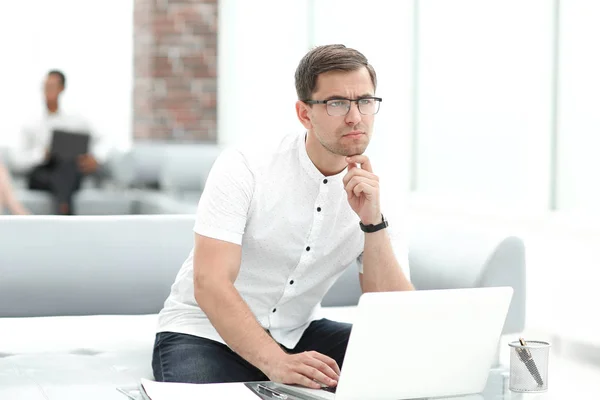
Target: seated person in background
274 230
60 177
7 195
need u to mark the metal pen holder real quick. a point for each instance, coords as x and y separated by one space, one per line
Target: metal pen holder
529 366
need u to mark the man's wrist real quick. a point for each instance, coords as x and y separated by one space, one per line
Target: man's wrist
370 228
374 220
271 358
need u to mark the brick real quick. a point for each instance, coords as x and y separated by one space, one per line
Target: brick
175 67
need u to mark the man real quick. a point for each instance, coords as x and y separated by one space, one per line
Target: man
45 172
273 232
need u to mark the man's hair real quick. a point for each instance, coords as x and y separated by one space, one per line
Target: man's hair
333 57
61 76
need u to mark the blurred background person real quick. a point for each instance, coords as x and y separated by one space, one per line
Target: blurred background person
33 156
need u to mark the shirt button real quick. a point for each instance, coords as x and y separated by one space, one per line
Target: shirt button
292 282
318 209
274 309
307 248
324 180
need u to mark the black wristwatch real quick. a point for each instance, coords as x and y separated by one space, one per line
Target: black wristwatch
374 228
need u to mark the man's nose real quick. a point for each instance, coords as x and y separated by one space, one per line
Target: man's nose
353 117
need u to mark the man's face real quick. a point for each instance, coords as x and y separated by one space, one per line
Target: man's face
52 88
342 135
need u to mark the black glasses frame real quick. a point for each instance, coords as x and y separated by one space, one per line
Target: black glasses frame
378 99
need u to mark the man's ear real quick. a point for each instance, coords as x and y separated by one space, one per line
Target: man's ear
303 113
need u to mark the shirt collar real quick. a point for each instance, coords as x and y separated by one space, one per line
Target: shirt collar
48 115
310 168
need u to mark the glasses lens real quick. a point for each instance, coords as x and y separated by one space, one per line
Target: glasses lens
368 106
338 107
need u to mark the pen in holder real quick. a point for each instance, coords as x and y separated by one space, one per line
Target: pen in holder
529 366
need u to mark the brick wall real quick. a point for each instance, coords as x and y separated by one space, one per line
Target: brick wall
175 70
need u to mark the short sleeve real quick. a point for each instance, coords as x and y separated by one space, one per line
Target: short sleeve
224 204
398 237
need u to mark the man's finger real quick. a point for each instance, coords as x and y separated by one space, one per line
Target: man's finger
359 172
303 380
358 180
327 360
364 188
316 375
324 368
363 160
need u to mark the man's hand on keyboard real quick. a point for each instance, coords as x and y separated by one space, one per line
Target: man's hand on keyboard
310 369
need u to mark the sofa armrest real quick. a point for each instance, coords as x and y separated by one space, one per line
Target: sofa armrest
454 256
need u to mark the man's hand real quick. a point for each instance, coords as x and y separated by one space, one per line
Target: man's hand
362 187
87 164
309 369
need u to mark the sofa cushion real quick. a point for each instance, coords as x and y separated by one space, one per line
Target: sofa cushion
152 202
103 202
36 201
185 168
88 201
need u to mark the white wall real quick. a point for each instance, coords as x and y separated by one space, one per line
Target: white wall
260 44
484 103
91 42
579 107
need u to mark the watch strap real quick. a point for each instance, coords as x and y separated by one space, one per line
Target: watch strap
374 228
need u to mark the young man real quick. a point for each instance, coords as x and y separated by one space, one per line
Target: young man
273 232
60 177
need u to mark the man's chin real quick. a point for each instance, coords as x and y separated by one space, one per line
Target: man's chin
347 150
354 151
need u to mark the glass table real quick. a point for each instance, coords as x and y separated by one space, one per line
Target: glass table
497 388
566 380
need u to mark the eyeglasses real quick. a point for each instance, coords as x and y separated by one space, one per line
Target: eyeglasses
340 107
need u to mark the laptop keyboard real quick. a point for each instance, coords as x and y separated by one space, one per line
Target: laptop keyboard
330 389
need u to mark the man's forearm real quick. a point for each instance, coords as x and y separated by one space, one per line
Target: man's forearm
235 323
381 270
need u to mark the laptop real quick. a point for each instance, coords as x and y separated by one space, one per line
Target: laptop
67 145
420 344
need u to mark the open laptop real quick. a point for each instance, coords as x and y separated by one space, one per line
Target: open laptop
67 145
420 344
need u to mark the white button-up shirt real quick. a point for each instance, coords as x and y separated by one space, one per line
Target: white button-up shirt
298 235
36 138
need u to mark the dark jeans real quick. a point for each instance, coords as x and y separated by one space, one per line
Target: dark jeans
190 359
59 177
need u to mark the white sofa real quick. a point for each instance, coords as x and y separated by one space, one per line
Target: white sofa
126 181
79 295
